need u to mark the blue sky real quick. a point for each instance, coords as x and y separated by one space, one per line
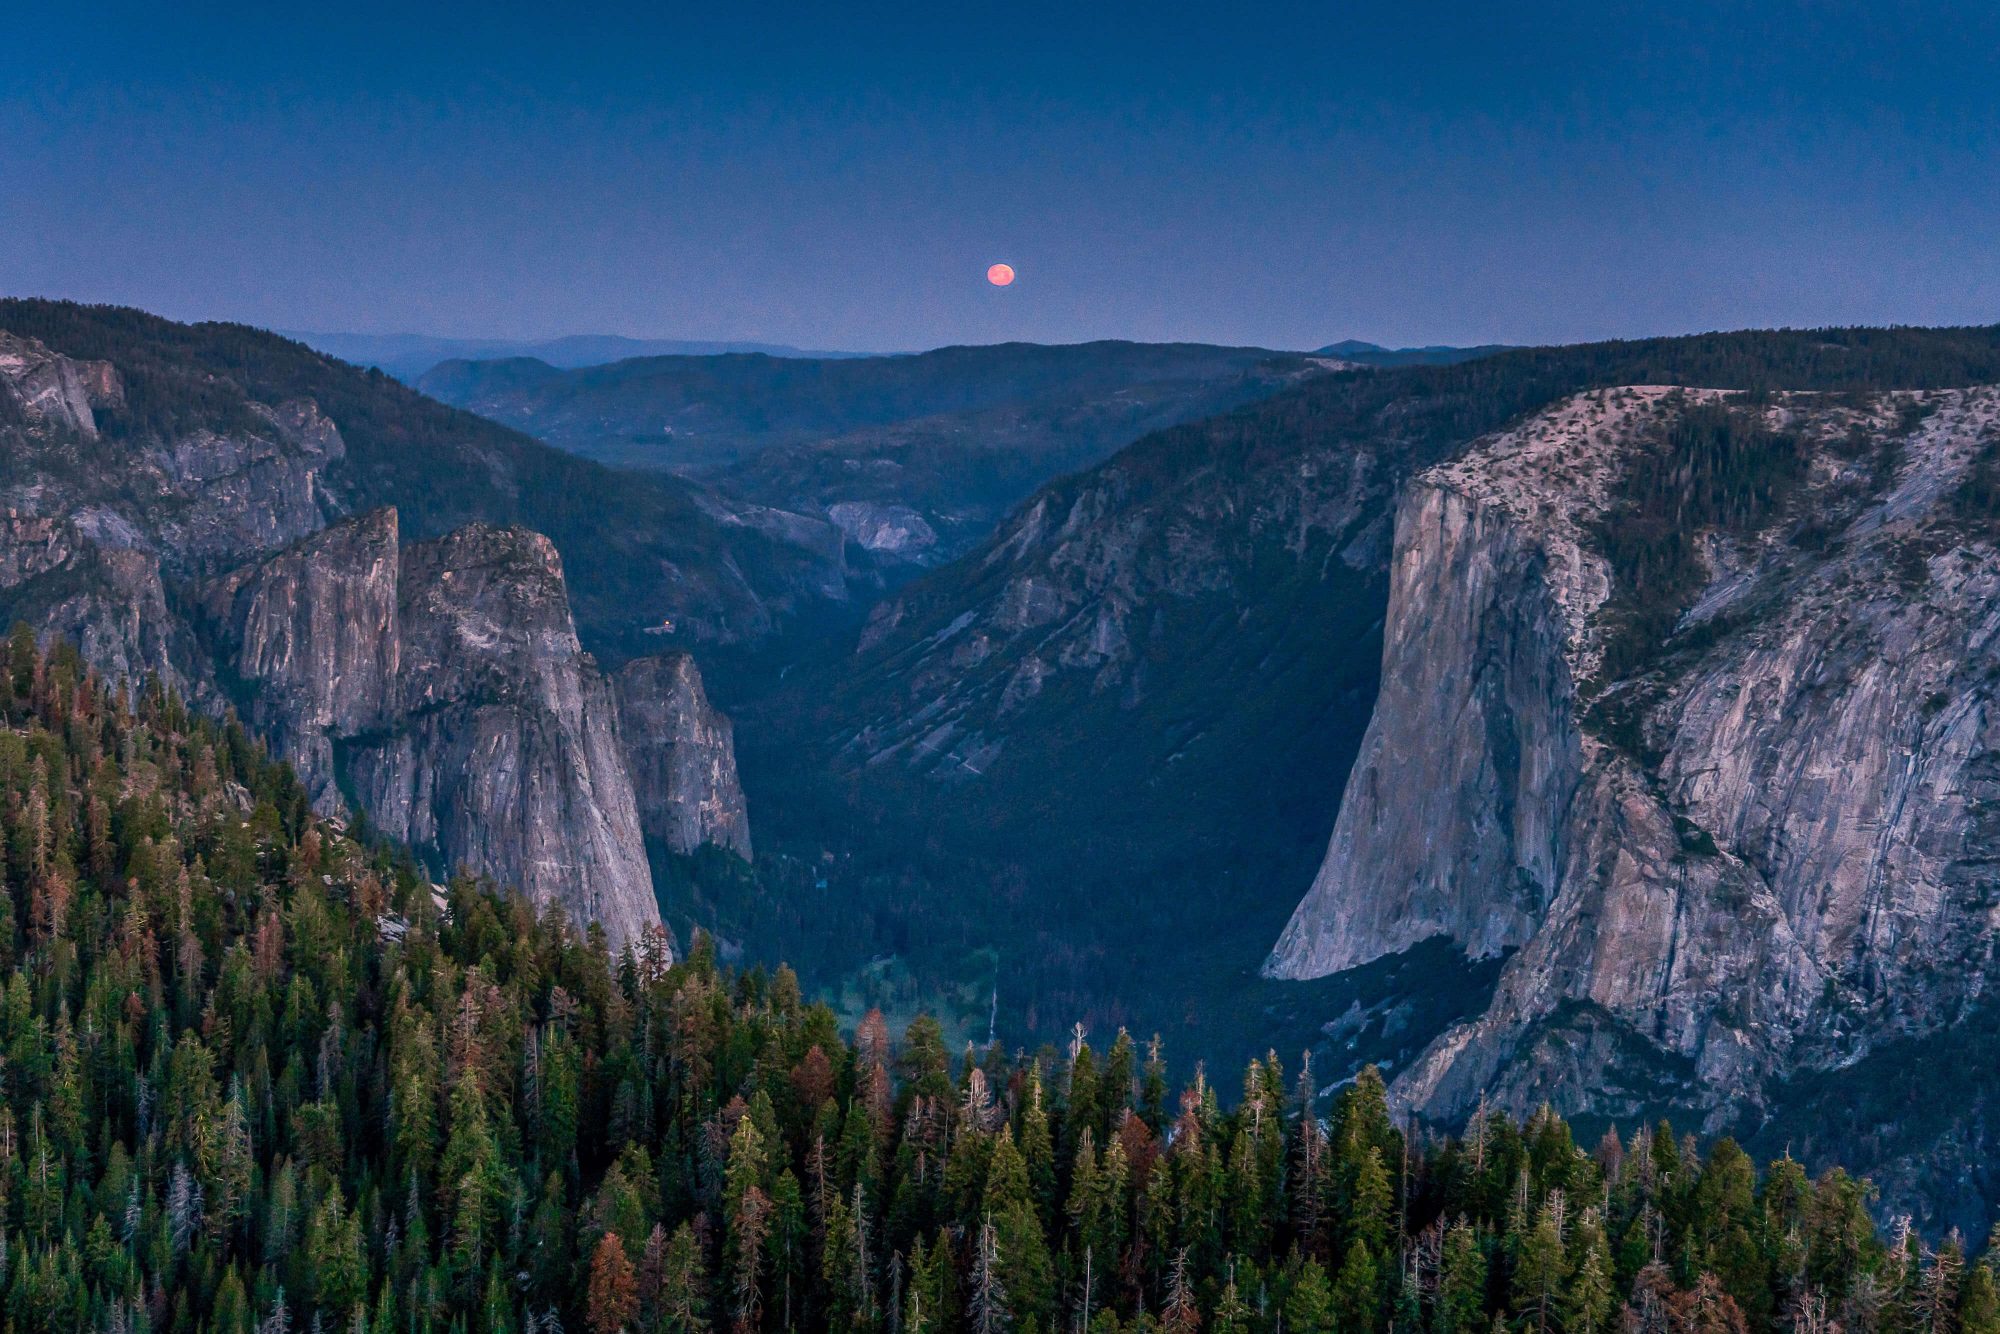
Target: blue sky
841 175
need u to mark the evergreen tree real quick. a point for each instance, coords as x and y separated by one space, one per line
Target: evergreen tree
613 1300
1310 1307
1979 1302
1009 1210
1357 1293
1588 1299
1461 1301
989 1310
1540 1271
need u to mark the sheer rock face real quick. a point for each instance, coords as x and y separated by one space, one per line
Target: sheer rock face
314 630
683 756
1782 863
499 744
222 497
441 686
1425 815
110 600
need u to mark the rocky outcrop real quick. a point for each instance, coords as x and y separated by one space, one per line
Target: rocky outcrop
43 389
109 600
499 746
889 530
218 497
441 688
682 755
1760 847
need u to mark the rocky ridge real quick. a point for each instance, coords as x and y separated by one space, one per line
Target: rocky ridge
914 458
440 686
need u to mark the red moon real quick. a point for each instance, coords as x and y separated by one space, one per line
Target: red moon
1000 275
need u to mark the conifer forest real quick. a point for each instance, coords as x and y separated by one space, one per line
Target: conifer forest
260 1074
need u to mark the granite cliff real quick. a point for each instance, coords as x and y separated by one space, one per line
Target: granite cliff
682 754
1687 711
439 685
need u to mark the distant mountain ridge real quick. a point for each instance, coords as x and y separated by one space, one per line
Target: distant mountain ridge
913 457
408 356
1439 354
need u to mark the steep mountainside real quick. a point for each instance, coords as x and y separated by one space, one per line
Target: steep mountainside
1688 707
174 525
1149 687
914 457
640 551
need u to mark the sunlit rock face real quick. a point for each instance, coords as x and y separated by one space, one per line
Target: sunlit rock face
42 390
314 631
1761 842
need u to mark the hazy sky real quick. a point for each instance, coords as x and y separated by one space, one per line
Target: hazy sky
840 174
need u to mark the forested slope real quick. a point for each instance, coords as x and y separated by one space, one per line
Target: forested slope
259 1077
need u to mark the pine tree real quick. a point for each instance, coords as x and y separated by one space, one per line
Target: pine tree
1461 1302
1937 1298
989 1311
1010 1211
683 1285
748 1230
786 1246
469 1179
1357 1293
1588 1299
1372 1212
1540 1271
1309 1305
1038 1151
613 1300
1979 1301
1232 1313
1179 1315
